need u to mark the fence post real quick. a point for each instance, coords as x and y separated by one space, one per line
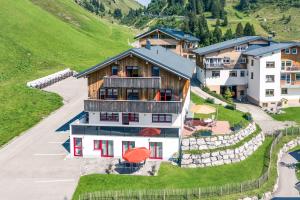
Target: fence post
241 187
164 195
221 191
140 195
199 193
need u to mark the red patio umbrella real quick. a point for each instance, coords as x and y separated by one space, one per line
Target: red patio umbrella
136 155
150 132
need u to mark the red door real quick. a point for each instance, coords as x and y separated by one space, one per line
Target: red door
77 146
155 150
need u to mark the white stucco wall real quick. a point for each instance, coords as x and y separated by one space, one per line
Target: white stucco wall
254 84
293 94
169 145
225 79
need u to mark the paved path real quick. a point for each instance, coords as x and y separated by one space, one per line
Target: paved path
265 121
34 165
287 176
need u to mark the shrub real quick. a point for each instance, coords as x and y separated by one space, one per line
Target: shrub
248 116
231 106
210 100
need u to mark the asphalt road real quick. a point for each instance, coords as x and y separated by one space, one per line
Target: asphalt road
34 165
287 176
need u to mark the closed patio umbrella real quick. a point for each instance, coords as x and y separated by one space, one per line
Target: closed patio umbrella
150 132
136 155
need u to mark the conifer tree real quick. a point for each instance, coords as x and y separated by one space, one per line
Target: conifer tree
239 30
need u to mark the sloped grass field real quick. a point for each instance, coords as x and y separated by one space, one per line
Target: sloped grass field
291 114
40 37
175 177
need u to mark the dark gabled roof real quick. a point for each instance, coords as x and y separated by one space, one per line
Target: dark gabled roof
227 44
177 34
156 55
268 49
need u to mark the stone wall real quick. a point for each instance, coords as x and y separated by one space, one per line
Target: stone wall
222 157
214 142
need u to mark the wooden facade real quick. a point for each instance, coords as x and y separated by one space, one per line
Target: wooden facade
148 86
158 38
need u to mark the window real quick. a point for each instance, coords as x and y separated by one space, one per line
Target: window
242 93
155 71
233 74
287 51
288 63
283 77
269 92
226 60
252 75
243 60
169 46
77 146
132 71
97 145
114 70
132 94
107 116
298 77
284 91
270 78
107 148
215 74
155 150
240 48
270 64
282 65
131 117
161 118
252 62
108 93
127 145
294 50
165 95
265 105
242 73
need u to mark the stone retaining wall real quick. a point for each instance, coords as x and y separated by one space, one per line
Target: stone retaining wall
214 142
223 157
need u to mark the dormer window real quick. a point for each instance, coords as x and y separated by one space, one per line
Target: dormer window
294 50
287 51
243 60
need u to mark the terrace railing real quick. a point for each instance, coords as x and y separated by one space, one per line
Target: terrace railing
195 193
139 106
132 82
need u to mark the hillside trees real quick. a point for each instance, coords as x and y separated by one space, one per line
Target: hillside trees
94 6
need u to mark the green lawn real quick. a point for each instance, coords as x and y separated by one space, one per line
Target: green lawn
224 114
291 114
40 37
175 177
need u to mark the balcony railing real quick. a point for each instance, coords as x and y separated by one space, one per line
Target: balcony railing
83 129
290 84
132 82
214 65
139 106
291 69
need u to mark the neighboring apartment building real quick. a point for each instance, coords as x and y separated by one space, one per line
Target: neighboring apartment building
138 98
176 40
265 72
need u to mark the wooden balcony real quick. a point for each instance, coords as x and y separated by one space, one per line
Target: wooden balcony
214 65
139 106
132 82
291 69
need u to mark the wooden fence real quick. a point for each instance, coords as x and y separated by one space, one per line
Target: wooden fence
194 193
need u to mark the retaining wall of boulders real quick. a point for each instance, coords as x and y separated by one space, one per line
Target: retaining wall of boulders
222 157
214 142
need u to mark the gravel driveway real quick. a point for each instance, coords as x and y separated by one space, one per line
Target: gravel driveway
34 165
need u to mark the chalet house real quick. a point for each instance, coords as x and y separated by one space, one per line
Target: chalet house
176 40
138 98
264 72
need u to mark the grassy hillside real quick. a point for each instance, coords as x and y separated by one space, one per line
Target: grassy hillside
40 37
124 5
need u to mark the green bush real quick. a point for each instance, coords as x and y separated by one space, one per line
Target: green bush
248 116
231 106
210 100
201 133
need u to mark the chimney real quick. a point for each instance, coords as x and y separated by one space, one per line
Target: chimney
148 44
